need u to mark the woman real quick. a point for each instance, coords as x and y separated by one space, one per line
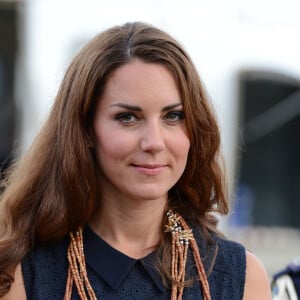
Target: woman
115 198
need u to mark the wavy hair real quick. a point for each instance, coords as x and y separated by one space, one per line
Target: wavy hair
53 189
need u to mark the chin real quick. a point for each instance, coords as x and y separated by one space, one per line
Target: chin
150 195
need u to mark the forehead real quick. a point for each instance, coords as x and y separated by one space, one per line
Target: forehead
139 80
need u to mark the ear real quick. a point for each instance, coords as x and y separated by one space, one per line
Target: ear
90 143
90 138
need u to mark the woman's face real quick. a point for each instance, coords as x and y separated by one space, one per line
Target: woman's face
141 140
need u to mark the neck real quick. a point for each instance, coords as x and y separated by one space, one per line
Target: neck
133 229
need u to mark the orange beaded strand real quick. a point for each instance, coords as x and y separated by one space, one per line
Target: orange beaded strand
199 264
181 238
77 270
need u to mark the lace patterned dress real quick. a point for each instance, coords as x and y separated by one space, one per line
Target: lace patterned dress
114 275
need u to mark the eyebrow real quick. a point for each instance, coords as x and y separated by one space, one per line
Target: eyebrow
137 108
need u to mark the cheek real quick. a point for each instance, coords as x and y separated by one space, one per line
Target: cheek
112 145
181 147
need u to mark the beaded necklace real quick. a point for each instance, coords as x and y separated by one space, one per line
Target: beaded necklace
182 237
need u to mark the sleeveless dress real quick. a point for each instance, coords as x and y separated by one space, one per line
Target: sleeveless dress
114 275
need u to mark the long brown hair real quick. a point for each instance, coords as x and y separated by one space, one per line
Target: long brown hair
53 189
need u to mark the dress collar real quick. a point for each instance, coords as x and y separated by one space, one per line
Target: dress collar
112 265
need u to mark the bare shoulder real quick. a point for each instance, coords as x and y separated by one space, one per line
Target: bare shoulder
257 285
17 290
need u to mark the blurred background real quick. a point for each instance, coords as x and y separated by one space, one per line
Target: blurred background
248 55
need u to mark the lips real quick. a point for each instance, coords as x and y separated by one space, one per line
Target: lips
149 169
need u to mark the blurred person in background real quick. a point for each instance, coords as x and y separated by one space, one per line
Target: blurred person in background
286 282
116 197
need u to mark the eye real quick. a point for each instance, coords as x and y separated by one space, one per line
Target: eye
126 118
174 117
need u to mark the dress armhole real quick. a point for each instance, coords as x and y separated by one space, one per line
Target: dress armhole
27 273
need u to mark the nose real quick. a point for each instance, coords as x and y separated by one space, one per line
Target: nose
152 140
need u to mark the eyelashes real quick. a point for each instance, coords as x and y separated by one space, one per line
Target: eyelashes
174 116
132 118
127 118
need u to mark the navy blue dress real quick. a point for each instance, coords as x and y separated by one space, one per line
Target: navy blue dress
114 275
